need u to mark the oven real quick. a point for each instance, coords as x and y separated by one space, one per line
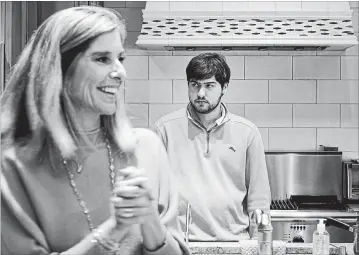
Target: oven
305 187
351 181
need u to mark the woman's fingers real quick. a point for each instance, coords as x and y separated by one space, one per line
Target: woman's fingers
132 177
129 172
132 212
119 202
136 181
129 191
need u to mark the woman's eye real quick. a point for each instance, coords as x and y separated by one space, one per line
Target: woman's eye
103 59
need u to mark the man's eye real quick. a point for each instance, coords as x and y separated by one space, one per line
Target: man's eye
103 59
121 59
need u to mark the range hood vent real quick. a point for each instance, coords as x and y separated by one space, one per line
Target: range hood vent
241 48
198 26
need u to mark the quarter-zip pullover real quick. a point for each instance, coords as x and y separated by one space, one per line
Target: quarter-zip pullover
220 172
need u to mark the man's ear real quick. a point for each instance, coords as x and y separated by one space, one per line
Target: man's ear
224 89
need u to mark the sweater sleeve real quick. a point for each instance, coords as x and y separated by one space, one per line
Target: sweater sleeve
257 181
168 207
20 234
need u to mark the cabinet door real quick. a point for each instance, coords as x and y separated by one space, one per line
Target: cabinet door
14 34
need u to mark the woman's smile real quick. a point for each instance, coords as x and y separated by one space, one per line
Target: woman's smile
111 90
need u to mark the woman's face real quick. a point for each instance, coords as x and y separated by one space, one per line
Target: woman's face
98 75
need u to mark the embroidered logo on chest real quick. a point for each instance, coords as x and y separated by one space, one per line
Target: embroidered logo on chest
232 148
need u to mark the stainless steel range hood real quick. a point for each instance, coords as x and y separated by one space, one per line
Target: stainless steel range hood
237 25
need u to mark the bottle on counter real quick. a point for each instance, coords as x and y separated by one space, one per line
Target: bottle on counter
265 239
321 240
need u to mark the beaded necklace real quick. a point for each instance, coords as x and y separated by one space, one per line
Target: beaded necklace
115 246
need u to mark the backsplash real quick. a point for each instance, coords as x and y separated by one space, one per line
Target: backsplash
299 100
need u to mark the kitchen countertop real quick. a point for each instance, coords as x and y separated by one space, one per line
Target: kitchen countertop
234 248
285 214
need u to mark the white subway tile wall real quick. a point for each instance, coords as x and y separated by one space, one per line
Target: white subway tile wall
349 115
269 115
337 91
318 67
349 68
345 138
156 111
292 91
316 115
236 63
136 67
298 100
168 67
268 67
247 91
146 91
237 109
292 139
180 91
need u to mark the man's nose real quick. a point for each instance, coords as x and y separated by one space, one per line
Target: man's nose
201 92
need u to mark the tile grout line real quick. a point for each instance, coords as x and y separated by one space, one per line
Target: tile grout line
268 92
244 67
172 91
316 91
340 67
292 68
148 114
340 115
316 138
292 115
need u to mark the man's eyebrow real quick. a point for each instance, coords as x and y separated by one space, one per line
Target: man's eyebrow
209 82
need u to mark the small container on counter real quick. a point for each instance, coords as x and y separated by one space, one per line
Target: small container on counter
265 238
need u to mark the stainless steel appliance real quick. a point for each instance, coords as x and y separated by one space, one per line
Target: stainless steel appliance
351 181
307 186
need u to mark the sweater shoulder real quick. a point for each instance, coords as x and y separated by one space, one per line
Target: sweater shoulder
180 114
243 122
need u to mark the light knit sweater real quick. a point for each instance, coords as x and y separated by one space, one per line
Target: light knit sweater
50 219
220 172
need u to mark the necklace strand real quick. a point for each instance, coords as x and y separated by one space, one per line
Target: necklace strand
78 195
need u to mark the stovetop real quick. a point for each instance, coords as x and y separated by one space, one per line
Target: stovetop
309 203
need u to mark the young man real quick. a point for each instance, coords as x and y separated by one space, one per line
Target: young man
218 157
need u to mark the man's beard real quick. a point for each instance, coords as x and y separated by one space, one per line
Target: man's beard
210 108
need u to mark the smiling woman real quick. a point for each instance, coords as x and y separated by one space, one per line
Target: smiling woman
76 178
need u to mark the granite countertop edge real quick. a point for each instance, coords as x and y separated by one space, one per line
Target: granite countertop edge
234 248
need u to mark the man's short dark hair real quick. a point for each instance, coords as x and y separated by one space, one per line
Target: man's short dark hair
206 65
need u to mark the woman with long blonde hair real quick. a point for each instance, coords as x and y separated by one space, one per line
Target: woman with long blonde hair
76 177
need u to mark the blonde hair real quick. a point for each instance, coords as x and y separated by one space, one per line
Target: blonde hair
32 100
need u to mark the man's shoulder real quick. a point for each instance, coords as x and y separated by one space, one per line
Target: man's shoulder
242 122
178 115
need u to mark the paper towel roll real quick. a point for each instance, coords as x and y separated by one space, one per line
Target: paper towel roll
250 247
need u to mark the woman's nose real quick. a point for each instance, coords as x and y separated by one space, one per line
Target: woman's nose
119 71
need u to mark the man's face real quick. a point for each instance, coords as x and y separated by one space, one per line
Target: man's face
205 95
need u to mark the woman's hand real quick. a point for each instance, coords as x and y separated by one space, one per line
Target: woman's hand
133 201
